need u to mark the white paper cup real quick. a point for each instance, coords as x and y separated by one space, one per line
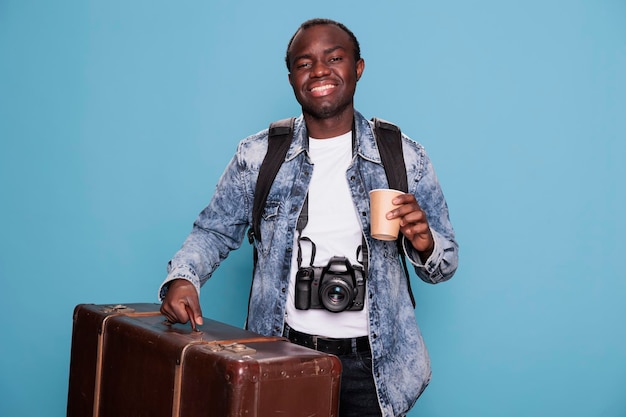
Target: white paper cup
380 205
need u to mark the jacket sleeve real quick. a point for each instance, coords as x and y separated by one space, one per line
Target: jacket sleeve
442 263
219 228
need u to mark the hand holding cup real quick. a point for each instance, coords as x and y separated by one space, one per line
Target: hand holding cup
381 203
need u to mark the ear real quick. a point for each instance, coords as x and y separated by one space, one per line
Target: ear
289 78
360 66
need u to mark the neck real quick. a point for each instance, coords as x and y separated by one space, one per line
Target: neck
329 127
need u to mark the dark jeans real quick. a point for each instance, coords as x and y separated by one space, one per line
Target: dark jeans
358 393
357 396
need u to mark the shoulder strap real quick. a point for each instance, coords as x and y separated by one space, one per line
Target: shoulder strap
278 142
389 141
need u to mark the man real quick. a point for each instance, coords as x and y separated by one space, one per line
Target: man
333 159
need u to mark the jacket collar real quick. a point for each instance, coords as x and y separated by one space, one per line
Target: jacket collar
365 141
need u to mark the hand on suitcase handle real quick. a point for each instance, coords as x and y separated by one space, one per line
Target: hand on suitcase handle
181 303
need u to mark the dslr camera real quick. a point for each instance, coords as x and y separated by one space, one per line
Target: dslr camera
337 287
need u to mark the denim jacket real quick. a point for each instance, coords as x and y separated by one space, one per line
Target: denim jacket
401 366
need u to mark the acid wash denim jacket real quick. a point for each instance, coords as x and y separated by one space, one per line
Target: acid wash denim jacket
400 362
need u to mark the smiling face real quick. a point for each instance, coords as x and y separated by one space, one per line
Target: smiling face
324 72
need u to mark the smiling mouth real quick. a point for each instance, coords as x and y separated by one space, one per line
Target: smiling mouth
322 88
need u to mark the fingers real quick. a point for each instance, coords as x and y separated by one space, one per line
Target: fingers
413 223
409 210
194 312
181 303
191 318
406 204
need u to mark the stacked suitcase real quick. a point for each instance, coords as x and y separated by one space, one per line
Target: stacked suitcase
128 361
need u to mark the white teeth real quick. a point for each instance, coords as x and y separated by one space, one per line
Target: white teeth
323 87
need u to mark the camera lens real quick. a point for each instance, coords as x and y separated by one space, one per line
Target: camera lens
336 295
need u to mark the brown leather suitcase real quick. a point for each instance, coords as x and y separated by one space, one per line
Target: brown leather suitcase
128 361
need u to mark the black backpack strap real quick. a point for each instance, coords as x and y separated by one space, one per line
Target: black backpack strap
389 141
278 142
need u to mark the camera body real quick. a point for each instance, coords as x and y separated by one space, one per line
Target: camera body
338 286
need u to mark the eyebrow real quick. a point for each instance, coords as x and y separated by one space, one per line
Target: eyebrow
333 49
326 52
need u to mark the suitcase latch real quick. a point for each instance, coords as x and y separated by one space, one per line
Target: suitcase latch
119 308
239 348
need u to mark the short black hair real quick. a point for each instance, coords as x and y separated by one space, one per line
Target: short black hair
319 21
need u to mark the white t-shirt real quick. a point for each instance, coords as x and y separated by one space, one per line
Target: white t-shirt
334 227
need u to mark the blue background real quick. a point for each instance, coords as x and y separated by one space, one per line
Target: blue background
117 118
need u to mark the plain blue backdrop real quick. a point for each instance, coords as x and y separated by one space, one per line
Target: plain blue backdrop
117 118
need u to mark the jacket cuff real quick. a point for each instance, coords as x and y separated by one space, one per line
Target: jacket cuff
431 266
179 272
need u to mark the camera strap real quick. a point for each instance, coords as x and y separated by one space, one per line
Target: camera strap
303 219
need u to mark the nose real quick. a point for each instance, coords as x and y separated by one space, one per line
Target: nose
320 69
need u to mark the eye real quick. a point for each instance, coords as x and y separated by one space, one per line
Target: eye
336 59
303 65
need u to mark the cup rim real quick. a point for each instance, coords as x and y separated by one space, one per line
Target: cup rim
387 189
